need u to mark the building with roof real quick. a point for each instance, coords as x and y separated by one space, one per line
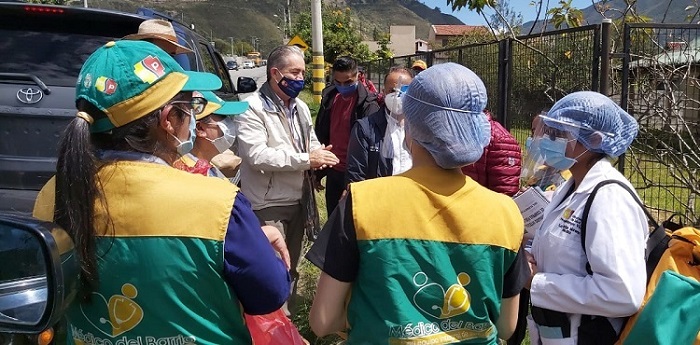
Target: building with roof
441 34
664 88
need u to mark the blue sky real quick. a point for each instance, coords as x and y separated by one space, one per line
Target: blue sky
472 18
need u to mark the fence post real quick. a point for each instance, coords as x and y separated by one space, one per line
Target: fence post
503 81
605 57
595 68
624 92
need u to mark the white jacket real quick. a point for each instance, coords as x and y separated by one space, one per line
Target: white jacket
272 170
616 238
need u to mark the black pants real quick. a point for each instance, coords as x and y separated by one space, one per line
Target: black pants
335 185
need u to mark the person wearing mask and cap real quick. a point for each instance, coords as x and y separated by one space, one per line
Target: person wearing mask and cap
163 253
161 33
377 143
446 266
419 66
280 151
343 103
216 133
581 290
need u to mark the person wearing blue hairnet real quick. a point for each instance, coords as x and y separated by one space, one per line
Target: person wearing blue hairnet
428 255
582 288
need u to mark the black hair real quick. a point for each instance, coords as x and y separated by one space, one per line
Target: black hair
78 190
345 64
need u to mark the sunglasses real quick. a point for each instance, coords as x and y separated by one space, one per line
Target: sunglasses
194 106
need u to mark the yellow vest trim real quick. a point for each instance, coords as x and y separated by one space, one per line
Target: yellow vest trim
147 199
436 205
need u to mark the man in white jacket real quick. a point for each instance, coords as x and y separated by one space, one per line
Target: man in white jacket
279 149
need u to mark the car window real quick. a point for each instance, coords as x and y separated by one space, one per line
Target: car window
211 66
54 57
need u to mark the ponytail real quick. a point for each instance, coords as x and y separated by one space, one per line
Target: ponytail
76 193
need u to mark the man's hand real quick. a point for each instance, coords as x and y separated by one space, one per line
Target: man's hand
277 241
323 158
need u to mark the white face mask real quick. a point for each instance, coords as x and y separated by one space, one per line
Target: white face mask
393 103
225 141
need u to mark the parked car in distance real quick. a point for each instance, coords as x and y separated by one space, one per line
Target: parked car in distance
248 64
232 65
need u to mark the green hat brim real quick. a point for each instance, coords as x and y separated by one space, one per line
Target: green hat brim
228 108
201 81
232 108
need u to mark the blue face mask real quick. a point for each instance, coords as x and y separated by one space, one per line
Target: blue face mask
554 153
184 147
290 87
346 90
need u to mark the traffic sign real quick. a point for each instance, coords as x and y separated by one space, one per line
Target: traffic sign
297 41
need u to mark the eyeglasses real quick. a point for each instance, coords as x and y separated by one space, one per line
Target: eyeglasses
195 106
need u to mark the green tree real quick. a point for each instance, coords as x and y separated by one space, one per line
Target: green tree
340 34
565 14
505 18
383 40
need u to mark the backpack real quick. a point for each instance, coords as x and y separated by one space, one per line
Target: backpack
658 237
636 329
669 311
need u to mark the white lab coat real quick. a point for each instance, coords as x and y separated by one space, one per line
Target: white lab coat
615 242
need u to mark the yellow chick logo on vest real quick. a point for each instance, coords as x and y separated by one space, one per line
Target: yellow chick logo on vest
124 313
455 301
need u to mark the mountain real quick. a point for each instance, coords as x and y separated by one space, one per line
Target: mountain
660 11
245 19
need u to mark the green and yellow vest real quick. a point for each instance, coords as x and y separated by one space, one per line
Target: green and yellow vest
161 260
434 247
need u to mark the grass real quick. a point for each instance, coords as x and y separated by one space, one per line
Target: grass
306 289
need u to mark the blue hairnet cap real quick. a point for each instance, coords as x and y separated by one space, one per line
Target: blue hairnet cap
595 121
444 110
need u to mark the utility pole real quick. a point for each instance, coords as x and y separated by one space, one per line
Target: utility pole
231 38
317 64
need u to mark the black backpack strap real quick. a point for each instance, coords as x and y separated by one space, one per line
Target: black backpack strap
587 209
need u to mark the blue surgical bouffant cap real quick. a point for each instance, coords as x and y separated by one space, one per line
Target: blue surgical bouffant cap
595 121
444 109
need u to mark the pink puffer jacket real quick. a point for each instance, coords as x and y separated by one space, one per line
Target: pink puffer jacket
499 167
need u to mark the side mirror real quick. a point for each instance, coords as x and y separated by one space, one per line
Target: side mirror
246 85
38 274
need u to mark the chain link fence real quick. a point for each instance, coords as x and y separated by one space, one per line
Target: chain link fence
654 72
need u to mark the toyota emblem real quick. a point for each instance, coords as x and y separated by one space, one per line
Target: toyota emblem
30 95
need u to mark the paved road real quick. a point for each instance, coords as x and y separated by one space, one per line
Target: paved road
257 73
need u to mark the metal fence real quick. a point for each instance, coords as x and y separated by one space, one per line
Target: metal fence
653 70
523 75
658 81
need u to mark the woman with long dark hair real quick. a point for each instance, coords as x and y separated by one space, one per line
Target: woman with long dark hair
165 256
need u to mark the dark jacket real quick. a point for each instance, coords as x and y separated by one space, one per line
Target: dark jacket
498 169
364 160
366 104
